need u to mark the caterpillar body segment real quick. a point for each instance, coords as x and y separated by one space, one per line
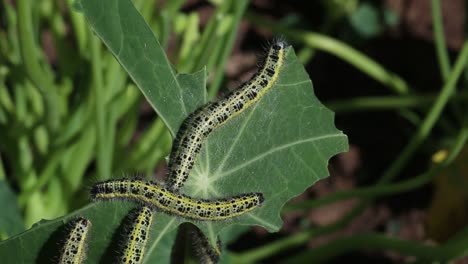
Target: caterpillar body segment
157 197
196 128
137 237
74 249
206 253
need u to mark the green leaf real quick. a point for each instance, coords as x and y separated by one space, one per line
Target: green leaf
11 222
131 40
280 146
42 243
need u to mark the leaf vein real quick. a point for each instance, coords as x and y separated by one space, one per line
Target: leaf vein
276 149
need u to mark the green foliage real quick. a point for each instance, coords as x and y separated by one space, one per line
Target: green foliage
128 37
66 113
11 222
69 118
278 147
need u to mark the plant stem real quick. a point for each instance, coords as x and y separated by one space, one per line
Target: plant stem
417 139
239 10
80 30
210 39
147 144
381 190
370 241
301 238
103 164
255 255
426 126
340 50
441 48
43 178
430 119
39 77
2 170
376 103
376 71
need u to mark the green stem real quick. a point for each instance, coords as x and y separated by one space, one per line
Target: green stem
210 38
255 255
44 178
381 190
371 192
240 7
2 170
427 124
340 50
103 165
212 59
429 121
173 6
371 241
268 250
376 103
441 48
147 144
424 129
38 76
80 30
305 54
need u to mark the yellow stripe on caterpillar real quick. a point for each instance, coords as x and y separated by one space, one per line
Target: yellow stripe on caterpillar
202 122
74 249
137 237
157 197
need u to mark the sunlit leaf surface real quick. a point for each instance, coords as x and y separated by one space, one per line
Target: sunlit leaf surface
279 147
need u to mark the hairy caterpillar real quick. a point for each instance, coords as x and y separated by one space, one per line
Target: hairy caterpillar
152 195
203 249
74 250
137 236
202 122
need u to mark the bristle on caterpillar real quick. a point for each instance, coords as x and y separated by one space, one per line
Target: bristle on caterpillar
202 122
137 237
74 249
206 253
157 197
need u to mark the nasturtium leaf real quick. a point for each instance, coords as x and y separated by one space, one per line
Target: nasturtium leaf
126 34
42 243
11 222
280 146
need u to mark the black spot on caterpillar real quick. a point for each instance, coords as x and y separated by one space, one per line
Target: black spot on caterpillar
202 122
203 249
74 249
157 197
137 236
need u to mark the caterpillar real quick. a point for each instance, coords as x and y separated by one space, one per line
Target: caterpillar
203 249
202 122
157 197
74 249
137 236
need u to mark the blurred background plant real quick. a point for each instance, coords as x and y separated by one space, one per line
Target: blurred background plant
69 115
